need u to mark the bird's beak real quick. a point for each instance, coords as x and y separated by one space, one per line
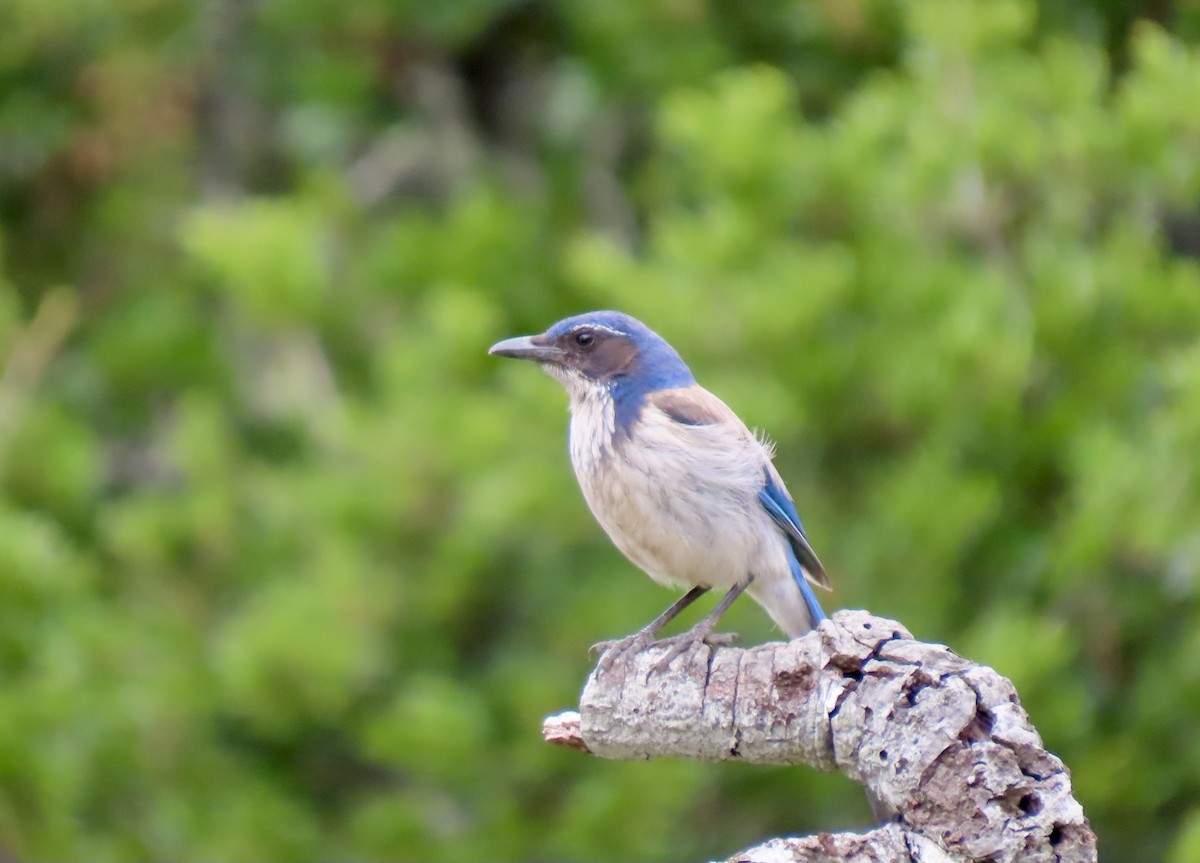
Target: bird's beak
526 348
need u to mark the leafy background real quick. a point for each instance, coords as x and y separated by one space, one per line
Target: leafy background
290 569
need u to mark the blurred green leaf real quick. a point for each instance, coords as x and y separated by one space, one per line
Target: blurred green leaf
291 569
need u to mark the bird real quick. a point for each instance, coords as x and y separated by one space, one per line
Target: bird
676 479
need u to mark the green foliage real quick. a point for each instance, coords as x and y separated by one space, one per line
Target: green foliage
290 569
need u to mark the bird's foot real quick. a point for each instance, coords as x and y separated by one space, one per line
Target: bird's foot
686 642
624 649
621 648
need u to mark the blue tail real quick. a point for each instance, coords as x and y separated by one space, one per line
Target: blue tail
810 598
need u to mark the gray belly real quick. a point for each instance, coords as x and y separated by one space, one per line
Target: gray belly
681 530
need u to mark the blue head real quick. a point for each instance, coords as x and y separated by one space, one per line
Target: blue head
604 353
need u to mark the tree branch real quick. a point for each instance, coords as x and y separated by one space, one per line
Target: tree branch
940 741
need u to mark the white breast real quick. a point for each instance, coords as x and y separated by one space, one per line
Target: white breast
679 501
593 428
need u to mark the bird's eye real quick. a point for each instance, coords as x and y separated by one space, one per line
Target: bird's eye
583 338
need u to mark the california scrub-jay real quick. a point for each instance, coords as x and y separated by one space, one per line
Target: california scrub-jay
674 477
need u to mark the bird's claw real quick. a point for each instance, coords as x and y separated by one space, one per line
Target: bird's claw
618 648
686 642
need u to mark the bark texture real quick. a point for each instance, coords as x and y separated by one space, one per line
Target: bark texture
940 742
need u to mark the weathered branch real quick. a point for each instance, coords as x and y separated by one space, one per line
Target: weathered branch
940 741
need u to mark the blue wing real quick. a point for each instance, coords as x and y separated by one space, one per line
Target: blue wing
801 558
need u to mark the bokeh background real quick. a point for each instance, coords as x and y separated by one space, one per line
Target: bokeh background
291 570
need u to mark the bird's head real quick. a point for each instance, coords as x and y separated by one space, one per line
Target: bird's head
602 351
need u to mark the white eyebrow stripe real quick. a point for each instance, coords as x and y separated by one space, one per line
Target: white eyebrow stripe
579 327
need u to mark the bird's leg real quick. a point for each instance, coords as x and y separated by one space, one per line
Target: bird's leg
702 632
645 636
